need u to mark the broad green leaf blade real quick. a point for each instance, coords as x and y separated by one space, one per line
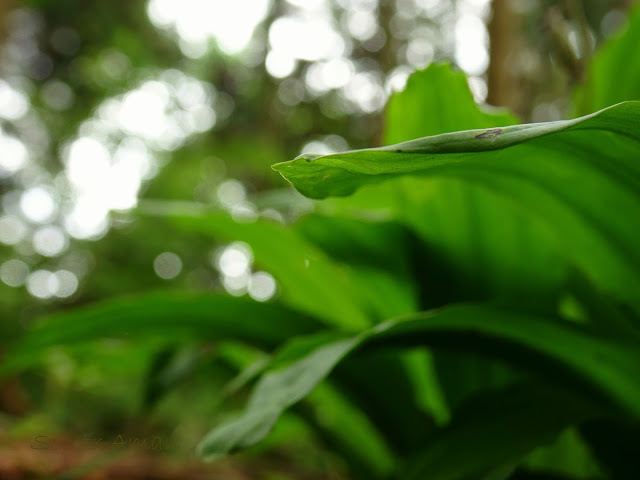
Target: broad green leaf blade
457 260
613 75
435 100
380 384
570 175
497 429
479 255
379 256
599 368
276 391
464 374
461 261
385 386
348 431
602 370
163 313
438 100
604 315
338 174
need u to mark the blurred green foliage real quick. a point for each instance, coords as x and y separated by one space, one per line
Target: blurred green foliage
474 315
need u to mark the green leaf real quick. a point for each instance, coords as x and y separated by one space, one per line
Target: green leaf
458 260
379 256
320 176
380 384
162 313
615 445
569 455
308 279
532 166
168 368
613 75
368 262
435 100
348 431
438 100
275 391
601 370
497 429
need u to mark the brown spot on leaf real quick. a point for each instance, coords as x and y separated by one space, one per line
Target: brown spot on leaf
489 134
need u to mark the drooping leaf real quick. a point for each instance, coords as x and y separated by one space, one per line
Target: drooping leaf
604 371
163 313
570 175
276 391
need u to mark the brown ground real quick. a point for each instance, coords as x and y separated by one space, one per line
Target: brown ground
64 458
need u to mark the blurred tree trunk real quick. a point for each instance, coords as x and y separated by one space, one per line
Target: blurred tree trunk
5 8
503 34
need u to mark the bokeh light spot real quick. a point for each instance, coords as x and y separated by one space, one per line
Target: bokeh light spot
50 241
167 265
12 230
231 24
42 284
235 260
38 204
67 283
13 155
231 192
261 286
14 272
13 103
